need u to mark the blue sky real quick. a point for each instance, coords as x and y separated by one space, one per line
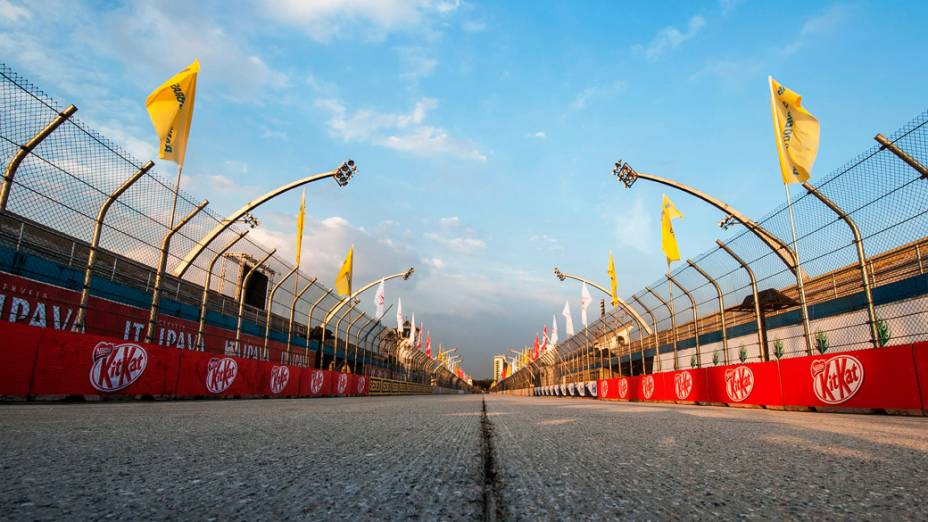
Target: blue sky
485 133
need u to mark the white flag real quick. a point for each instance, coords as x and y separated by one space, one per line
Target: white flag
568 320
553 339
412 330
399 314
378 300
585 300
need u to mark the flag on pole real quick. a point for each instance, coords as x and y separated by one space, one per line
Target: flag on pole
544 340
428 345
399 314
535 349
343 280
554 329
378 299
612 281
585 300
299 228
170 107
419 340
568 320
796 132
412 331
669 212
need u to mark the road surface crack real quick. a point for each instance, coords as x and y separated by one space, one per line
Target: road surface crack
492 503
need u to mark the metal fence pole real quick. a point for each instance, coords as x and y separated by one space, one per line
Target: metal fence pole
673 324
351 324
761 334
901 154
162 264
201 329
270 306
7 184
657 341
309 326
338 325
293 302
241 300
95 243
695 317
861 259
721 300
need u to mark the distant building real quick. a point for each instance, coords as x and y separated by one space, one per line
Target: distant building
499 362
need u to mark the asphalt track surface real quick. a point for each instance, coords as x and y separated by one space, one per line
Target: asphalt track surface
454 458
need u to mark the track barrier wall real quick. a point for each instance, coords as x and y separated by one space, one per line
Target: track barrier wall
43 363
891 379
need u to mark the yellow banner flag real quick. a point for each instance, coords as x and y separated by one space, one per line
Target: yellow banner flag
668 238
170 107
343 280
612 281
796 132
299 228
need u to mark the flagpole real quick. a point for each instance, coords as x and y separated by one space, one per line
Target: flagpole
180 168
799 283
670 309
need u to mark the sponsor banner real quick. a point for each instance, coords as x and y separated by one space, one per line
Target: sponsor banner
316 383
74 364
608 389
752 383
687 386
362 384
210 375
17 359
875 378
27 302
342 384
280 380
920 352
591 390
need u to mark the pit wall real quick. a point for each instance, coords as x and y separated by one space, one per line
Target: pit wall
892 379
43 363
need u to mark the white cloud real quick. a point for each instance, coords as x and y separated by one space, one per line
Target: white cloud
10 12
825 22
730 71
544 242
474 26
434 262
452 221
728 6
465 245
416 63
404 132
635 228
327 20
670 38
585 96
540 135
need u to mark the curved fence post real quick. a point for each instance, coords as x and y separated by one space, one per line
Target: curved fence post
201 329
761 334
241 300
270 306
721 299
673 324
657 341
695 317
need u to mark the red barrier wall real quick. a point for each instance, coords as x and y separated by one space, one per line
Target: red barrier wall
920 356
754 383
17 359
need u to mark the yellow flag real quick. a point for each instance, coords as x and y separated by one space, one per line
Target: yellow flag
796 132
343 281
299 228
668 239
612 281
171 109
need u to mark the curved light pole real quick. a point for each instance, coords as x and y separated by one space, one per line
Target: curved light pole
342 175
631 311
695 316
721 299
627 175
405 275
201 329
241 299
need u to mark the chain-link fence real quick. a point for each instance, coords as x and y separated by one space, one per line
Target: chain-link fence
704 314
55 195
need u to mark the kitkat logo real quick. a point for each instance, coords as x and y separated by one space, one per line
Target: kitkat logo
316 382
623 388
220 374
362 382
342 384
647 386
604 388
739 383
837 379
280 376
683 384
116 366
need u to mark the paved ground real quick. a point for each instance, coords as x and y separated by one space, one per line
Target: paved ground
421 458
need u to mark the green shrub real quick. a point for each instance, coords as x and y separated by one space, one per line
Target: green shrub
821 342
778 349
882 332
742 354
